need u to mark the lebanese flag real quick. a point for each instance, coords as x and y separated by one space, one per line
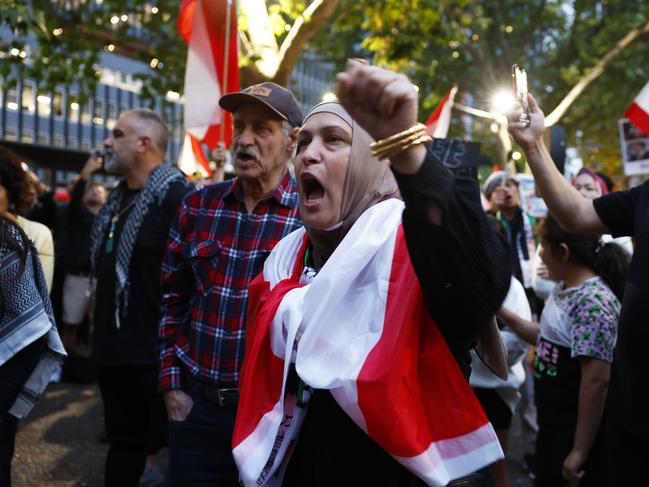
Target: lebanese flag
360 329
203 26
438 123
638 112
192 158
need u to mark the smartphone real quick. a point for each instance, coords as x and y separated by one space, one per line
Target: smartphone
100 155
519 82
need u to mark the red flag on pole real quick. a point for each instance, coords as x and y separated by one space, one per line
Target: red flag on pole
209 27
438 123
638 112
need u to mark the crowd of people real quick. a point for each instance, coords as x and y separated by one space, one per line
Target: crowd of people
344 311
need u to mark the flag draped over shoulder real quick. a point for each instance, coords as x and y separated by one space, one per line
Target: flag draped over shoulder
212 67
438 123
638 112
360 329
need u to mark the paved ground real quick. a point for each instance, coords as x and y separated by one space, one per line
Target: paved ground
58 445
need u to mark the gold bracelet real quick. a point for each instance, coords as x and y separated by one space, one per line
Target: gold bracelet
388 147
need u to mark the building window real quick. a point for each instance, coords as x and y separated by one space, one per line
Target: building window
27 136
57 102
73 108
85 144
98 116
124 108
58 140
73 142
112 111
85 113
11 133
44 105
12 99
43 138
28 97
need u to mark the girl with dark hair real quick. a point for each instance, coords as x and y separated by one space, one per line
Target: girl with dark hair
574 350
30 346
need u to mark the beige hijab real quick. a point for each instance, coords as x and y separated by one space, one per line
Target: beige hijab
368 181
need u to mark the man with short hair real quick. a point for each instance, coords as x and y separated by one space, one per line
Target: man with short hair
218 243
127 243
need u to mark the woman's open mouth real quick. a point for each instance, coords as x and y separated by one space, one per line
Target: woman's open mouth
313 191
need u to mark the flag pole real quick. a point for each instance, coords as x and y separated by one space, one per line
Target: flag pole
226 63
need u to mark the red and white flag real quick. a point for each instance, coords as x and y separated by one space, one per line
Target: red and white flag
192 158
438 123
361 330
212 67
638 112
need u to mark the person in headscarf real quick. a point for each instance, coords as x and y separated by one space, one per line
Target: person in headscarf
355 370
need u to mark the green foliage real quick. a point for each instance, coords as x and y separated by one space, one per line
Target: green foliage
438 42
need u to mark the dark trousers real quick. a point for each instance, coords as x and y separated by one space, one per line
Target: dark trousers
13 375
628 456
135 420
200 447
552 448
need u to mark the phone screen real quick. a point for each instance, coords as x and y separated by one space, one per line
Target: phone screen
519 80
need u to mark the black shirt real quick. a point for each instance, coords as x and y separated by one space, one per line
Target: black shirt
135 342
464 264
79 221
627 213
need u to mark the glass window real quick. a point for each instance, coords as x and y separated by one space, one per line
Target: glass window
44 105
58 140
28 97
57 102
43 138
73 108
85 113
12 99
112 110
98 115
73 142
85 144
27 136
10 133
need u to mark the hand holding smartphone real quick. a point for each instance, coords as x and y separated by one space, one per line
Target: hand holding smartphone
519 82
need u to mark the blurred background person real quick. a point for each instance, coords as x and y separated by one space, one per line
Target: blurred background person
87 198
19 195
499 398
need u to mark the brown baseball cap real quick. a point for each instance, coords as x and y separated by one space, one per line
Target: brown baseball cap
277 98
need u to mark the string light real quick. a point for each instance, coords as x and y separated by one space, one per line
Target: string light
154 63
154 10
114 19
57 32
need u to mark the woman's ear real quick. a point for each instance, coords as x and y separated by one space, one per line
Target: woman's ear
563 252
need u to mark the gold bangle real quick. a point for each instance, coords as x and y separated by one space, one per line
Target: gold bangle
388 147
399 135
422 139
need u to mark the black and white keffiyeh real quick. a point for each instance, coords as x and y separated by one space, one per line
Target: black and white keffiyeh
155 188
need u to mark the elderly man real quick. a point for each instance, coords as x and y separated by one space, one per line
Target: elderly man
218 243
624 213
127 243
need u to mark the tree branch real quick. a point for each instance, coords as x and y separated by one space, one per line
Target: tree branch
302 30
593 74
